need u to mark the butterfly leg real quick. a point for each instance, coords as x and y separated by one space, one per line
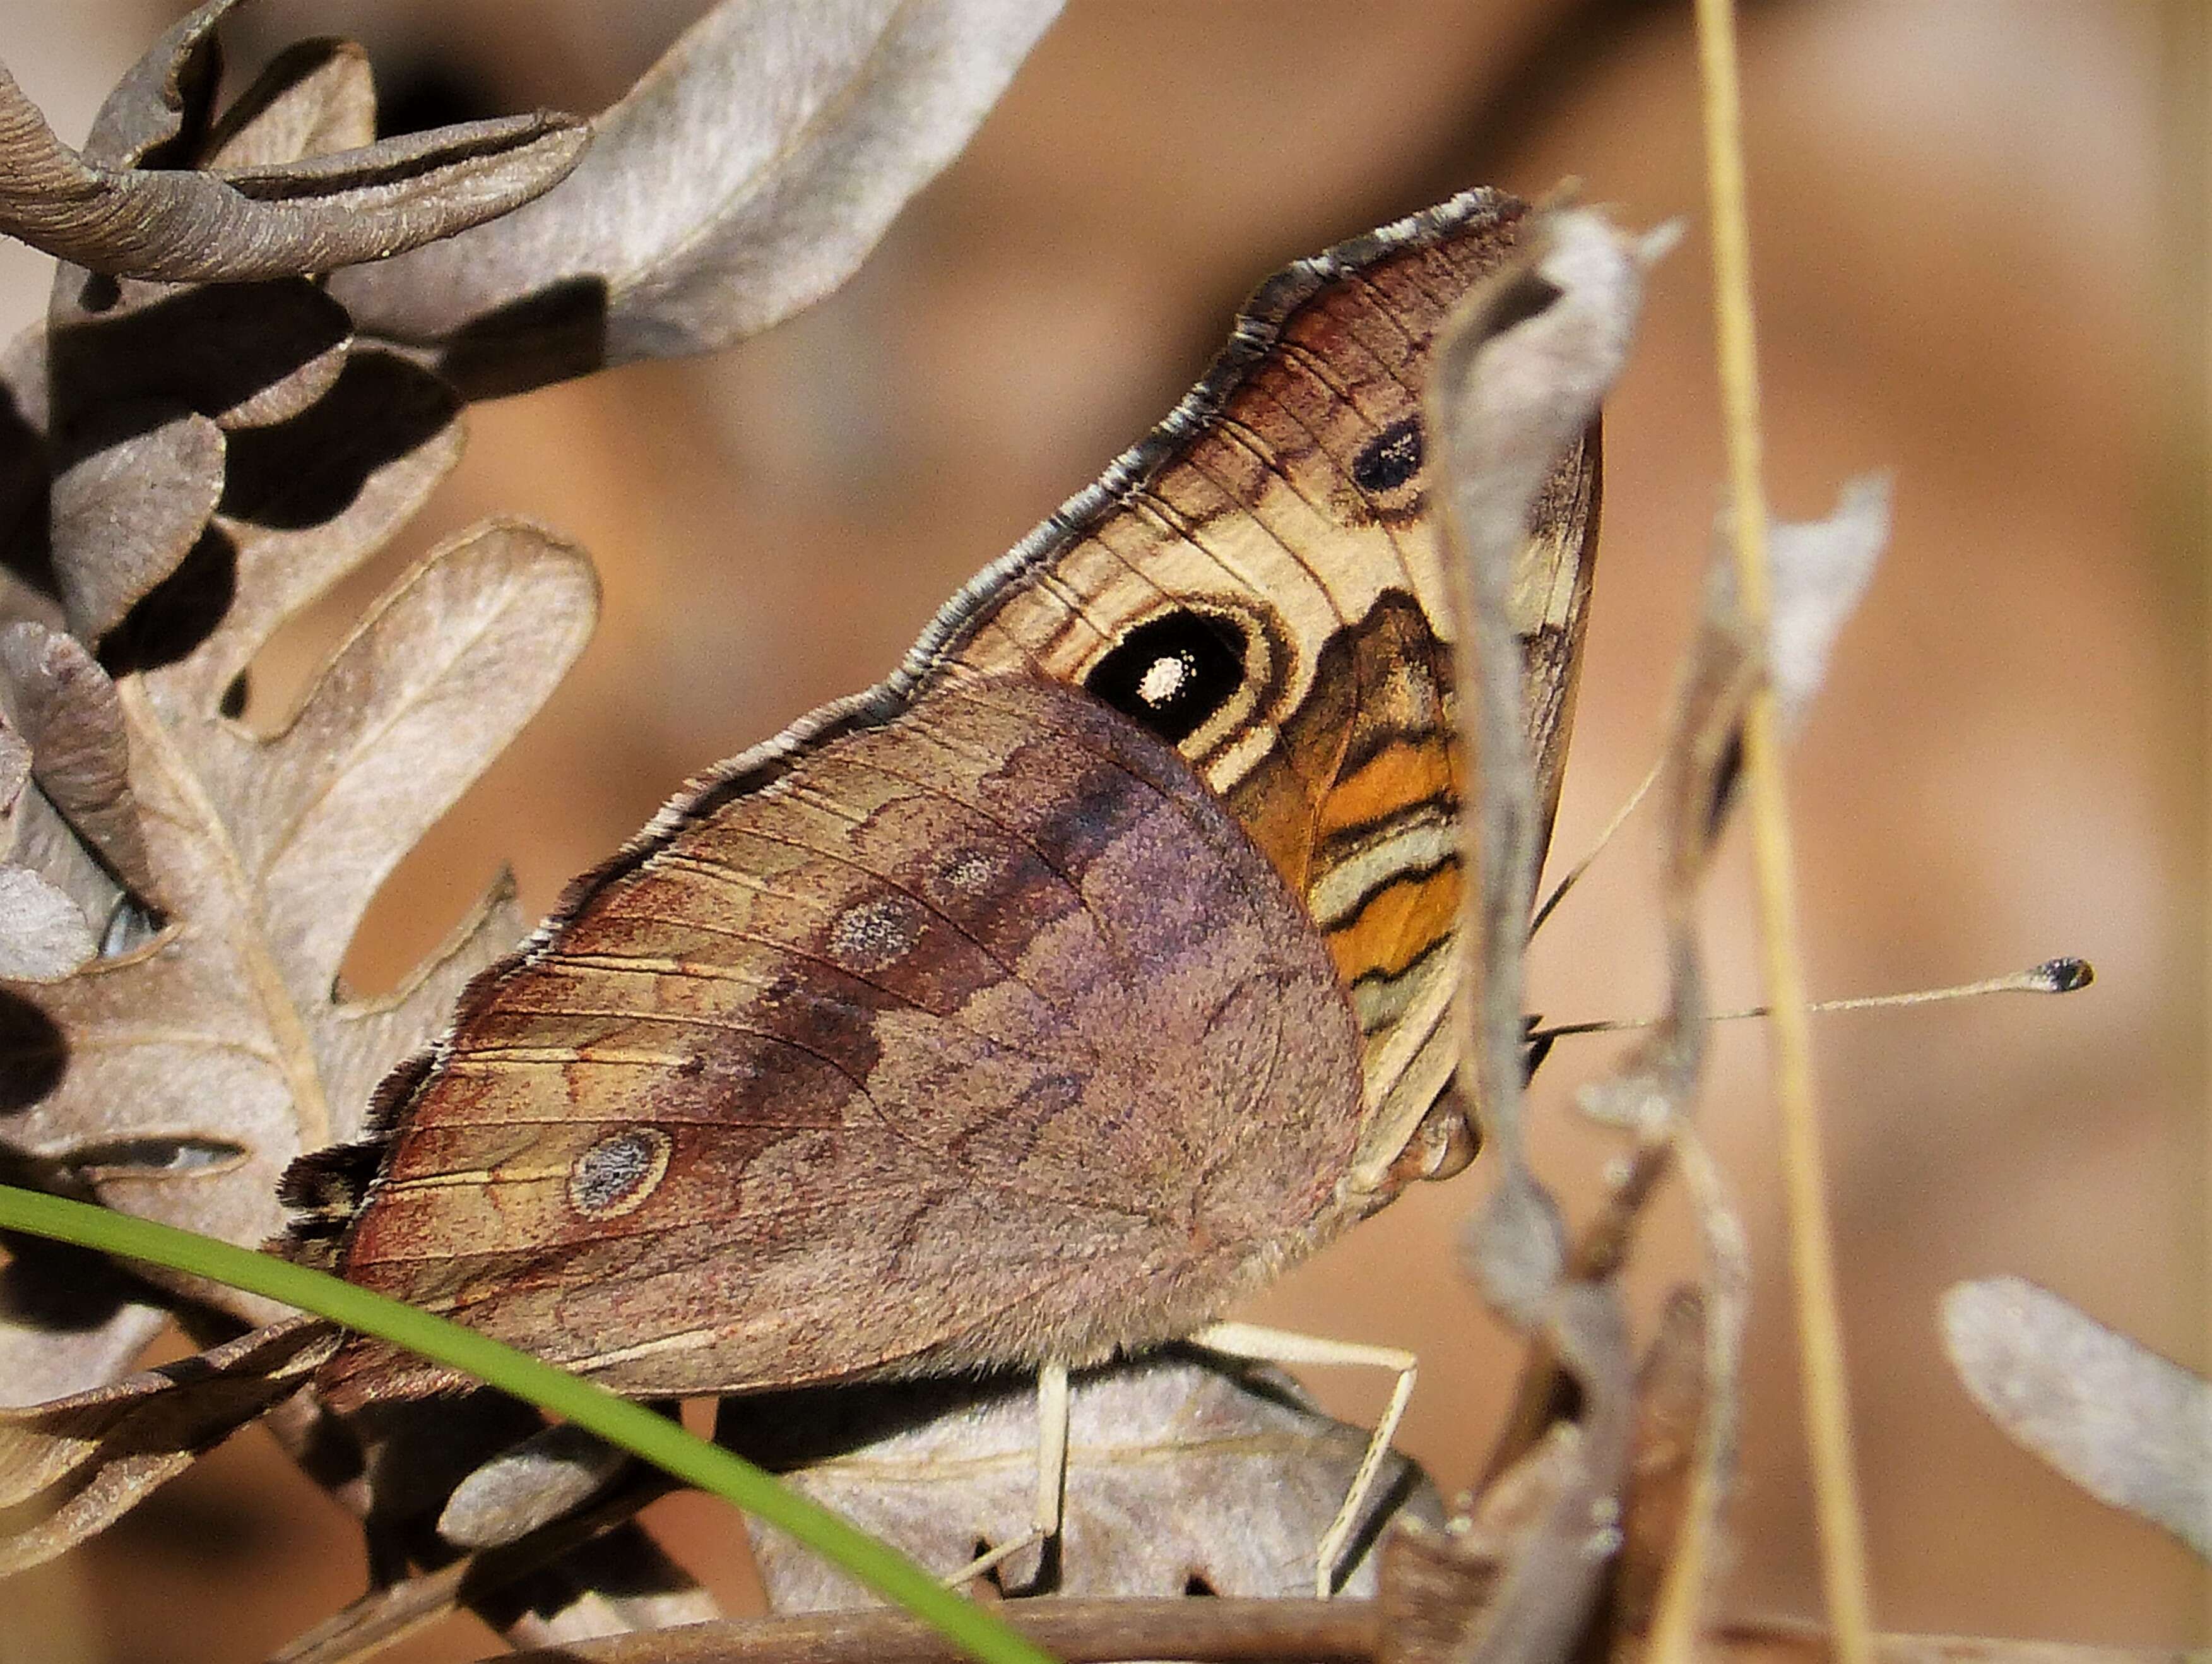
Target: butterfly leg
1248 1340
1051 1476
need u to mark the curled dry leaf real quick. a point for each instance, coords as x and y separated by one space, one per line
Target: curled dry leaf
103 211
1515 1244
1435 1588
1651 1091
242 355
579 1578
1726 1296
552 1474
1518 1571
55 695
1551 1579
1670 1396
1519 374
1817 571
594 1574
68 1468
746 176
2130 1427
1182 1472
1601 1249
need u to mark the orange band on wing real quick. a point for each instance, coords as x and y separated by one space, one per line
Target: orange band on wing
1400 923
1404 773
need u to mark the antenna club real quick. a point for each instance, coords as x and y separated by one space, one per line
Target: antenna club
2064 975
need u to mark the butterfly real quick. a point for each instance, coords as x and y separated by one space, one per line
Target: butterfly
1039 1003
1052 995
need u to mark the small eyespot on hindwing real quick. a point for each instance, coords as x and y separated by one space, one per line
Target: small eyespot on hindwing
1390 459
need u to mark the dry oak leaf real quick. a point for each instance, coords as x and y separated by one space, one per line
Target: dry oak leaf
303 503
177 1081
102 209
745 176
1184 1473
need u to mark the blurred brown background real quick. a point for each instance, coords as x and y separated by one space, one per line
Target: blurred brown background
1965 274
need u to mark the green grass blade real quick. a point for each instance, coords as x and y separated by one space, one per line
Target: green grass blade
618 1421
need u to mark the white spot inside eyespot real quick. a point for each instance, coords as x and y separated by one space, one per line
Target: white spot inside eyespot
971 872
871 934
616 1175
1164 678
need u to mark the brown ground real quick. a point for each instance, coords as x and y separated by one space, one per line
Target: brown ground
1960 262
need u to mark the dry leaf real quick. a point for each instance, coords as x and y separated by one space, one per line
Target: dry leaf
2129 1427
67 1319
552 1473
42 934
132 506
1436 1587
1670 1395
620 1583
1520 372
1817 573
1651 1089
313 98
1552 1579
242 355
579 1578
69 1467
15 766
104 210
302 502
746 176
1181 1473
228 1034
55 695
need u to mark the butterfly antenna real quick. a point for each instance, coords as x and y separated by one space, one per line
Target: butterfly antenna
1619 818
2055 976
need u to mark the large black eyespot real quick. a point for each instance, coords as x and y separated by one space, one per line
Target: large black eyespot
1172 672
1390 459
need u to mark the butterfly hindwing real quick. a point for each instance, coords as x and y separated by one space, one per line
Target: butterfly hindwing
981 1025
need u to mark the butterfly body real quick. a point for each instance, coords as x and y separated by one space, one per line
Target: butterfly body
1045 1000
